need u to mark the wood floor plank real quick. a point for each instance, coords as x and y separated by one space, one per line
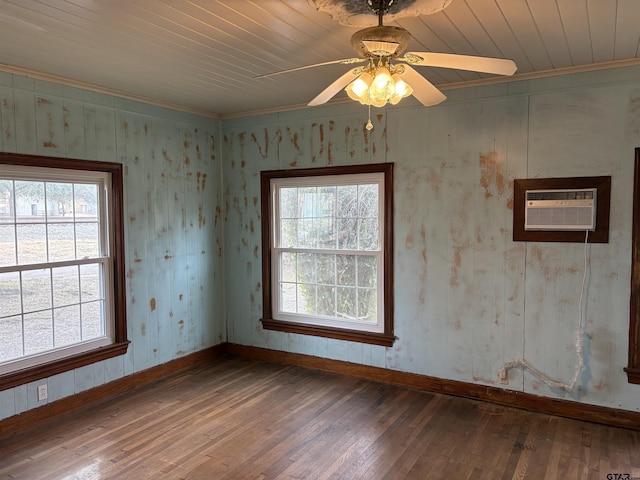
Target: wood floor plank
245 419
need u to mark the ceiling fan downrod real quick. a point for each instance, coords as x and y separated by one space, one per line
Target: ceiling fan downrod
380 8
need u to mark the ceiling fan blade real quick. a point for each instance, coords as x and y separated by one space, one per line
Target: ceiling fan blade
497 66
344 61
335 87
423 89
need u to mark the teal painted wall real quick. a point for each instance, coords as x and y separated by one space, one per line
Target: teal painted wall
467 298
173 239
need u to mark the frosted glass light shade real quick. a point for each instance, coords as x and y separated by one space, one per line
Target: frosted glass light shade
401 90
378 87
382 86
358 89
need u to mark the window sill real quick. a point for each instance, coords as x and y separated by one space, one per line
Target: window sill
37 372
633 375
328 332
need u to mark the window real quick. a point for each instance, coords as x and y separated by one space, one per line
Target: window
61 266
328 252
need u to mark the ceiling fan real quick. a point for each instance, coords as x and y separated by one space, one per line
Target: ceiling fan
388 75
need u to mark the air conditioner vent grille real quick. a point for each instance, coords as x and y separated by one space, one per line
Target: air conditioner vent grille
561 194
560 209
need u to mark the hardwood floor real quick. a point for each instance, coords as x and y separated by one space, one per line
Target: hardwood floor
245 419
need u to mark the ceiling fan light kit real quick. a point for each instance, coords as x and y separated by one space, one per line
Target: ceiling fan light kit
379 84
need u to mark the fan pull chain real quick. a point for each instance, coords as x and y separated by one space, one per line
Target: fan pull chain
369 124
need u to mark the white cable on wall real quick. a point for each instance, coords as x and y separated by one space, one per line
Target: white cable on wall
521 362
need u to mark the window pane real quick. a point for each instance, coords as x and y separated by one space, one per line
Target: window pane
29 202
288 297
306 268
326 301
367 305
9 295
326 265
61 242
38 332
346 270
11 338
66 325
59 201
92 320
288 203
90 282
347 201
36 290
32 244
306 233
288 233
6 201
367 271
66 286
85 201
327 201
347 233
368 201
307 202
87 240
307 299
326 235
7 245
288 267
368 235
346 303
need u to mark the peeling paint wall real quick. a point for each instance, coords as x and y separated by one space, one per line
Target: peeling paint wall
467 298
173 239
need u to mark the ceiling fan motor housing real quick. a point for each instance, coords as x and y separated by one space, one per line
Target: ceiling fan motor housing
396 38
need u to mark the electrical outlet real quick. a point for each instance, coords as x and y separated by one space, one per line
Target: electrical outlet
42 392
502 375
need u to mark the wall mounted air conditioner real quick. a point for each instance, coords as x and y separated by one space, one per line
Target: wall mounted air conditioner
560 209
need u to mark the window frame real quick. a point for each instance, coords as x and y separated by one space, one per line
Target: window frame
633 366
386 336
115 263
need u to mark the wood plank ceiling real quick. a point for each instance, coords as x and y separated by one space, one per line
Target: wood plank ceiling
203 55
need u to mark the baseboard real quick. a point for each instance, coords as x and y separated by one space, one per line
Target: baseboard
38 415
563 408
